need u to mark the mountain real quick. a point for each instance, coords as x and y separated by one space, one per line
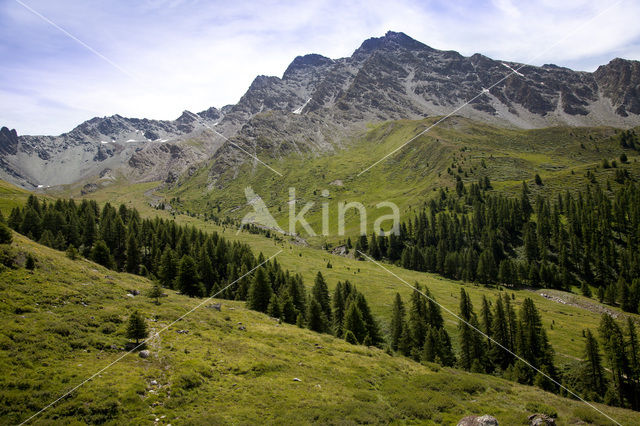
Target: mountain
320 104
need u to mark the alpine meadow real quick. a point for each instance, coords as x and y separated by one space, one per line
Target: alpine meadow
403 235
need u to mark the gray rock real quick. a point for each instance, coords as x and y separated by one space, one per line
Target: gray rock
485 420
144 354
541 420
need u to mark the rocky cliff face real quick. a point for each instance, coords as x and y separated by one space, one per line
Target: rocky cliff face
140 149
319 103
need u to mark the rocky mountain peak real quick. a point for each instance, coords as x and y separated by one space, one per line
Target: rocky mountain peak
301 63
390 41
210 113
8 141
620 81
186 117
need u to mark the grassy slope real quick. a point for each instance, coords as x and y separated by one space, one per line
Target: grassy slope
410 176
52 337
11 196
378 286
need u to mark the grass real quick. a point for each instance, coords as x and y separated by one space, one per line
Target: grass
61 323
564 323
410 176
11 196
562 156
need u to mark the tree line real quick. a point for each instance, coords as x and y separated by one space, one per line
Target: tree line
620 385
195 263
496 340
589 238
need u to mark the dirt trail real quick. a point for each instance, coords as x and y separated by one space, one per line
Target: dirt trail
580 302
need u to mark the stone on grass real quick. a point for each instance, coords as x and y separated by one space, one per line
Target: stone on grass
485 420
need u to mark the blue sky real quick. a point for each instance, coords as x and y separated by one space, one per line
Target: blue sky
165 56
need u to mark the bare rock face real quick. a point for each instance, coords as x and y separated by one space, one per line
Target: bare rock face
8 141
620 81
485 420
319 104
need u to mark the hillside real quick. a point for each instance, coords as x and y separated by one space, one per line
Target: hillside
60 321
563 323
562 156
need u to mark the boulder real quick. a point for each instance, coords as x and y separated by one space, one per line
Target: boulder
541 420
485 420
144 354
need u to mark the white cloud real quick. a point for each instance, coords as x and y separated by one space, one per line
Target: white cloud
194 54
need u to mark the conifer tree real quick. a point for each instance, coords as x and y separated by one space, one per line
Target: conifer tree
353 322
289 312
137 328
418 320
397 321
187 280
316 319
101 255
339 303
498 353
594 373
471 347
72 252
371 325
273 309
133 255
205 270
260 291
633 353
156 293
168 267
613 344
320 293
486 318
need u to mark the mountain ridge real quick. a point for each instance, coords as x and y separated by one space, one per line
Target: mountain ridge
320 103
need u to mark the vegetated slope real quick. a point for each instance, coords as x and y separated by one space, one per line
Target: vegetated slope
563 323
457 147
65 320
11 196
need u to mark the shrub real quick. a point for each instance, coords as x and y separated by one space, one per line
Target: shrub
538 407
6 236
538 180
108 328
114 318
30 263
590 416
188 381
72 252
8 257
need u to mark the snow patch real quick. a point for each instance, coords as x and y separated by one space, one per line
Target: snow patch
131 140
299 110
519 73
